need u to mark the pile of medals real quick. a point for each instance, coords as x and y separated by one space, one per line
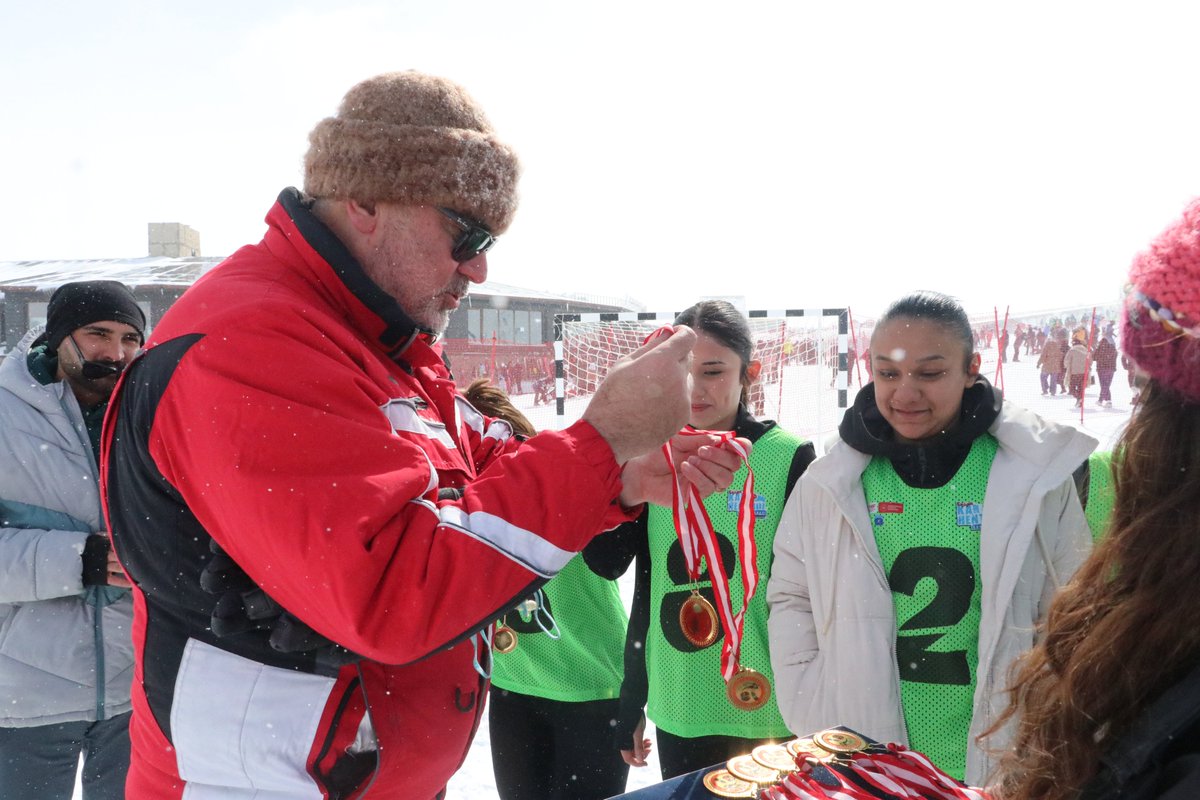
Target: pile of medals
836 763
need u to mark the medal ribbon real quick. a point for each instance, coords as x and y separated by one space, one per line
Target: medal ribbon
897 774
695 531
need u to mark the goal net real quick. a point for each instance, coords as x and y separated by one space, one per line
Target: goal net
803 384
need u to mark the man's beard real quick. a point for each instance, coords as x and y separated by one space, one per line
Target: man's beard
432 316
73 373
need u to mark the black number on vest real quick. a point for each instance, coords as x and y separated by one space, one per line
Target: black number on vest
513 618
673 601
955 577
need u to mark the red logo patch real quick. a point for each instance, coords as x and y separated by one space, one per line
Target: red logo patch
891 508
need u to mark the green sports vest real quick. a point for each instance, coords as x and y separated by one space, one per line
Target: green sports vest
586 662
1101 494
928 540
686 692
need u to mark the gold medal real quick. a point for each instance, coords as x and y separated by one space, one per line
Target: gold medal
698 620
807 748
748 689
774 756
721 783
504 640
840 742
746 768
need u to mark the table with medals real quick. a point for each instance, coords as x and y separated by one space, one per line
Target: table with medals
834 763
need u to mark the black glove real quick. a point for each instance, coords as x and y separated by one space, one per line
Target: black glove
95 560
242 606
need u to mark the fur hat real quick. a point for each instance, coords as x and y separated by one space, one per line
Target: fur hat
1160 323
414 139
74 305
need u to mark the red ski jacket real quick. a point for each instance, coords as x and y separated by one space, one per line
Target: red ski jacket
286 409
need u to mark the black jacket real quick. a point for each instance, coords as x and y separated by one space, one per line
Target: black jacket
1159 758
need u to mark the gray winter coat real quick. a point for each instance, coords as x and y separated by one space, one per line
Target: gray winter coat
66 654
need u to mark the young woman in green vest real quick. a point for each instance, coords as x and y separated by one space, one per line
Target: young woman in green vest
556 672
676 681
918 556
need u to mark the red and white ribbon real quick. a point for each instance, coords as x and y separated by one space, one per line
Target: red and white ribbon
897 774
696 537
696 534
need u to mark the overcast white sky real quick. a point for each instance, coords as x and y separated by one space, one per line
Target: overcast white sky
794 153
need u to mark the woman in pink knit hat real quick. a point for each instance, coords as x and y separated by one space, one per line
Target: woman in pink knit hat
1108 704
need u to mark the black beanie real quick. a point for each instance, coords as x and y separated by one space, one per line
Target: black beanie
74 305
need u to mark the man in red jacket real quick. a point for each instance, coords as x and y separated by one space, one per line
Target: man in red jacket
318 527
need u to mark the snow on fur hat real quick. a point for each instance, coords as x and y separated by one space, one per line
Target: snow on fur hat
1160 324
414 139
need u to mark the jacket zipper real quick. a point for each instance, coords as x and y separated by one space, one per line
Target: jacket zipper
98 634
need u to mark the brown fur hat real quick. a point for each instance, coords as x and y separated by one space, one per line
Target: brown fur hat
414 139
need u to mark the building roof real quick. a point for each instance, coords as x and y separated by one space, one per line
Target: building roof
145 271
165 271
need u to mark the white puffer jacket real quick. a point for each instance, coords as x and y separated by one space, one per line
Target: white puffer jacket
832 621
58 640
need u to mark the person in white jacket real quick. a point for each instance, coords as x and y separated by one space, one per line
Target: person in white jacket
66 651
915 561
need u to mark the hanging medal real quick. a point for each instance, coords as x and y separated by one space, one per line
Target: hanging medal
504 640
698 620
746 688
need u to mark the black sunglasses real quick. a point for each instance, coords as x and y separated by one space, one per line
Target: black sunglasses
475 238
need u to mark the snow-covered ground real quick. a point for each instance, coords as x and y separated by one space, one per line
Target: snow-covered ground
1021 386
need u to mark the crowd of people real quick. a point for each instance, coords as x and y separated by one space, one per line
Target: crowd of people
270 550
1066 355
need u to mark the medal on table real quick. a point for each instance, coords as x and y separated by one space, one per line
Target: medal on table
746 768
721 783
774 756
806 748
841 743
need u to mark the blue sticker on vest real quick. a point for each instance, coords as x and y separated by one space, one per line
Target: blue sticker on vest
968 515
732 499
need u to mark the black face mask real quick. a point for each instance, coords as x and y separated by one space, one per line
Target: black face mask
94 370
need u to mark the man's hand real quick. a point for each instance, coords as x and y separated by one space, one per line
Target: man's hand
116 573
644 399
701 460
100 564
641 747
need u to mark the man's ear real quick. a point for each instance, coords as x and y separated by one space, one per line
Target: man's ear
363 217
973 366
752 370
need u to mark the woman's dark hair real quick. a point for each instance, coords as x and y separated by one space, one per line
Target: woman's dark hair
938 308
1124 629
723 322
493 401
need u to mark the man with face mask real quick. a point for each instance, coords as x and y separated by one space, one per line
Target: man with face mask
66 658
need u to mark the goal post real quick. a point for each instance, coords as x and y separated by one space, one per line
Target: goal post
803 383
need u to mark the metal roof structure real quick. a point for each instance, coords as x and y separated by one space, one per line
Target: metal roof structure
145 271
164 271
